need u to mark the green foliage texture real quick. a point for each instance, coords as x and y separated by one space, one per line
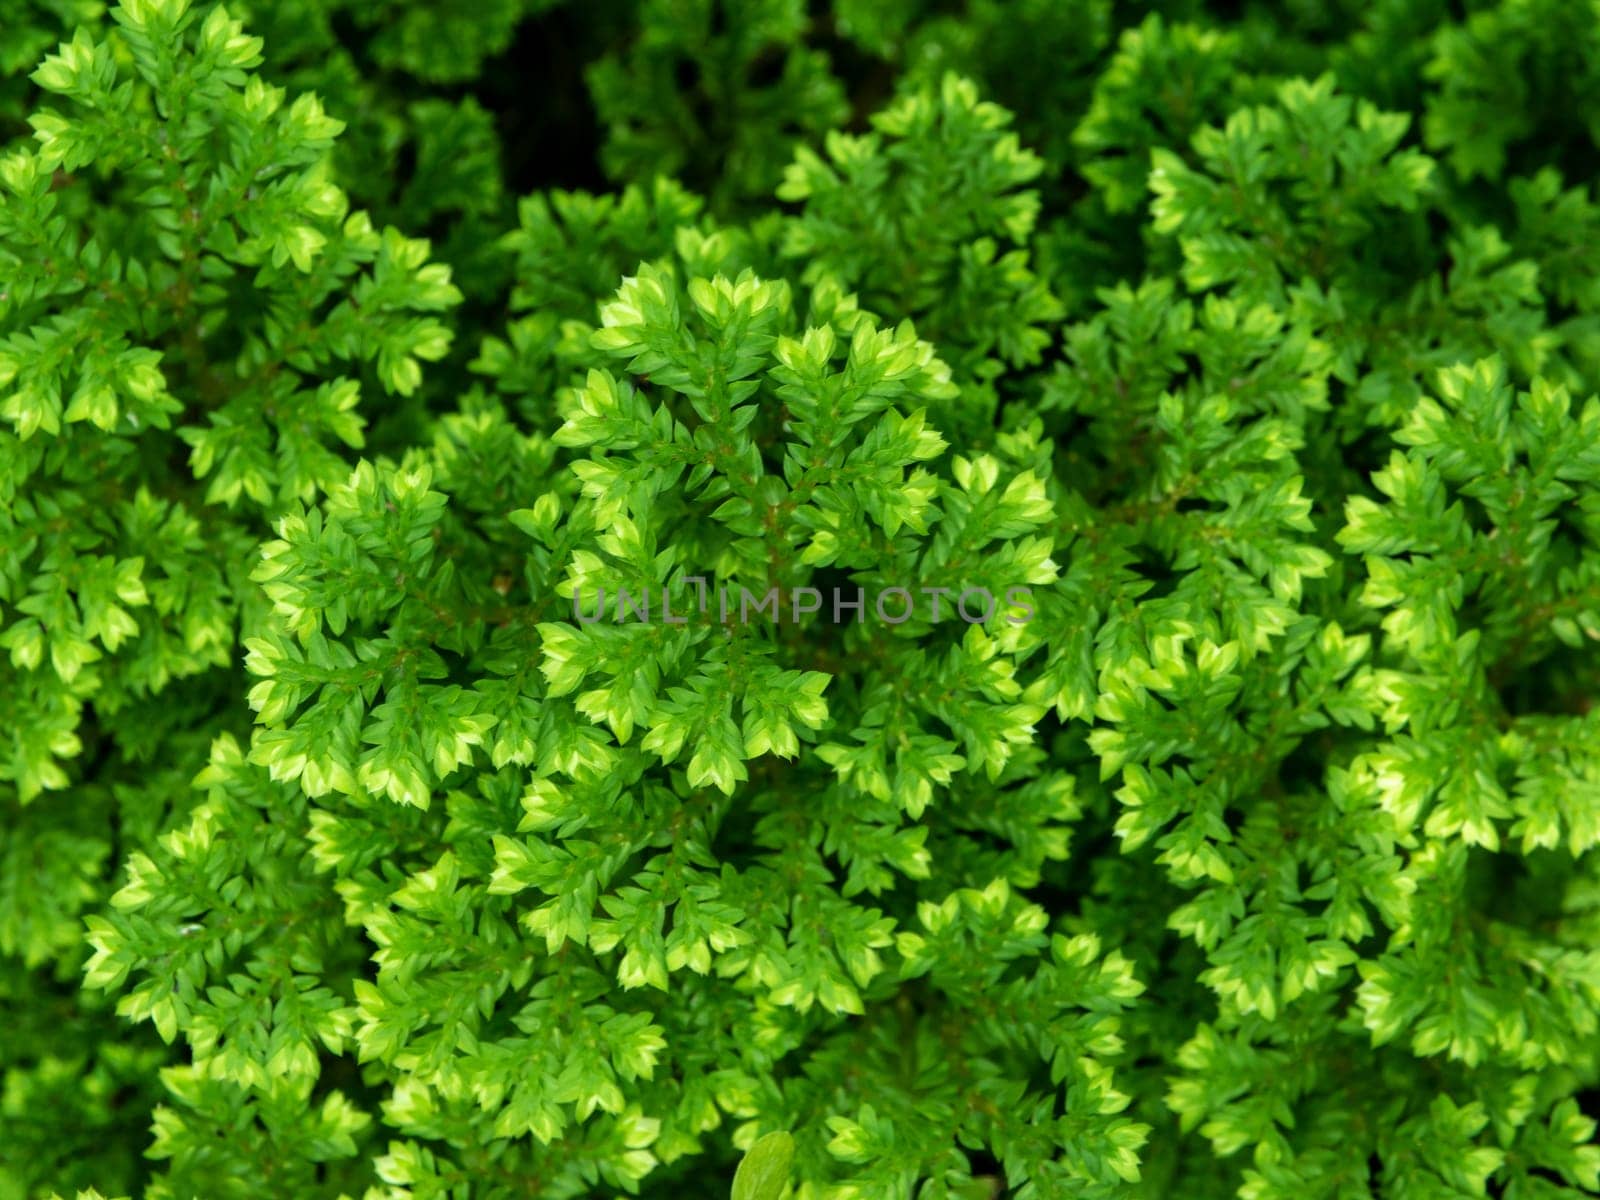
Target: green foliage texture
344 344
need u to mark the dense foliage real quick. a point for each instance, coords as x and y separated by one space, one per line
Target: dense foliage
350 352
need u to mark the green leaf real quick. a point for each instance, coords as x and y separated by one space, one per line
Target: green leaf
763 1172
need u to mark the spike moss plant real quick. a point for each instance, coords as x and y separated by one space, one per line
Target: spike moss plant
852 601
